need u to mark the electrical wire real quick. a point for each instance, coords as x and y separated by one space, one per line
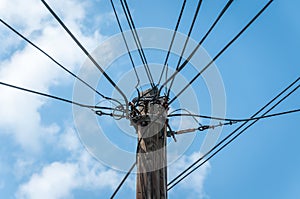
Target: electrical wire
123 180
186 42
223 11
189 114
152 82
54 97
229 121
172 41
227 137
55 61
126 44
223 50
137 41
226 144
172 183
87 53
234 120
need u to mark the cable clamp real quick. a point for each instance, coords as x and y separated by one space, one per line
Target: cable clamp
100 113
204 127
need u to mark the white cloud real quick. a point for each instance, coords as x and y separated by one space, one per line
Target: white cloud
19 112
69 141
55 181
59 179
23 13
28 68
195 182
92 174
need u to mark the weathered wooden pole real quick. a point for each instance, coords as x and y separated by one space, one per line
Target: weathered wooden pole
151 152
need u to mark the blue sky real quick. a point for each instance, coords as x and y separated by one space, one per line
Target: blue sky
41 154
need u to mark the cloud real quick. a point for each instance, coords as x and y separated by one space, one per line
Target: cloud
193 183
24 15
91 174
55 181
26 67
95 176
20 113
60 179
69 141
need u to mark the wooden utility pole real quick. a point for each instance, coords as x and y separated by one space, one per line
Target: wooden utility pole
151 153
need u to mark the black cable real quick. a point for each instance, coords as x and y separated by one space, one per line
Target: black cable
172 41
137 40
124 39
234 120
123 180
229 121
223 50
56 62
186 42
228 136
189 114
87 54
232 139
198 45
166 77
55 97
232 133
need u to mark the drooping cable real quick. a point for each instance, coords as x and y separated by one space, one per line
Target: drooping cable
172 41
198 45
259 111
173 182
137 40
234 120
186 42
55 61
221 52
229 121
87 54
190 172
190 114
55 97
126 44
